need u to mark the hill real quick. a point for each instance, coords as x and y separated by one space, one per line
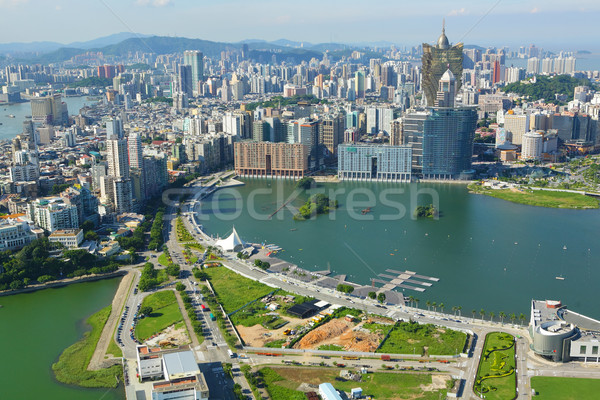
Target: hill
546 87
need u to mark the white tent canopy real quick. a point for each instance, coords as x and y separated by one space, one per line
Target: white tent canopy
231 243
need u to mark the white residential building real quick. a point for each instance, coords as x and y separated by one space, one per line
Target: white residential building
70 238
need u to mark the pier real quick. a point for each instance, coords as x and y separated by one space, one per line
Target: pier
402 279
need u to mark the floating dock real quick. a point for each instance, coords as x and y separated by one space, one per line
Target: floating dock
405 280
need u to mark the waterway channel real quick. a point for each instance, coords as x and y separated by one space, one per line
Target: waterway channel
34 330
487 252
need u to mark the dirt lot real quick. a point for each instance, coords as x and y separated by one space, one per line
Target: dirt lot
258 336
170 337
342 333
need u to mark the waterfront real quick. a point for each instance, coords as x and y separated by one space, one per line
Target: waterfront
11 127
35 329
488 253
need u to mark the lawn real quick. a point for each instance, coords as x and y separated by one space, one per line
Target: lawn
540 198
163 259
412 338
165 313
114 349
496 373
71 367
183 235
233 290
551 388
282 382
331 347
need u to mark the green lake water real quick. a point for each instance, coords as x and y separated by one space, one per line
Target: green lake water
34 330
488 253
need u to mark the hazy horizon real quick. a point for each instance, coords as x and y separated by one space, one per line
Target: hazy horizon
495 23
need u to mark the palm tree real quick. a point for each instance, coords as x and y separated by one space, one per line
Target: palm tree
482 313
492 315
411 299
473 311
513 317
442 307
428 303
502 315
454 310
434 305
416 302
521 318
459 308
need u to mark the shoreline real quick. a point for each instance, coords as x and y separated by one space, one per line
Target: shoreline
61 283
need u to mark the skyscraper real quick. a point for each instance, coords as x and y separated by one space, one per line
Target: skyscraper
134 146
436 60
195 59
116 153
184 80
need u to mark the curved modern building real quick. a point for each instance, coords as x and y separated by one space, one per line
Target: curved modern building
436 60
562 335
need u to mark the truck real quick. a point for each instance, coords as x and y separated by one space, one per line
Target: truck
212 317
385 357
231 353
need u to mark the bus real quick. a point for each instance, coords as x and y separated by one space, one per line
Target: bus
350 358
231 354
212 317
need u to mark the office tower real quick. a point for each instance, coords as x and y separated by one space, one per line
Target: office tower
497 72
397 133
116 154
413 122
446 91
114 128
359 79
46 134
331 133
372 120
98 171
261 131
195 59
271 159
448 135
245 51
134 147
48 110
28 131
517 125
436 60
277 130
184 80
374 162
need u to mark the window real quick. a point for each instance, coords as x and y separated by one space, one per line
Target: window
594 349
582 349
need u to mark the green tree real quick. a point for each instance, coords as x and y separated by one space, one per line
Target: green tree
381 297
173 270
482 313
502 315
372 295
180 287
492 315
146 310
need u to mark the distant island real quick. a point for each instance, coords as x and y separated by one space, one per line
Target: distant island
317 204
426 211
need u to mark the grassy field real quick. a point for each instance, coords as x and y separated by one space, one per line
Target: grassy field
164 260
234 290
71 367
165 313
496 373
331 347
540 198
114 349
282 382
551 388
409 338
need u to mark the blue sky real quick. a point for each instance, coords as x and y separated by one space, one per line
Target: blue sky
549 23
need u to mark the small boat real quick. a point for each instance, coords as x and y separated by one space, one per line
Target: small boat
11 116
560 278
294 229
564 247
366 210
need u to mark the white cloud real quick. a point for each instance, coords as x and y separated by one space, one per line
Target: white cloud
155 3
534 10
11 3
461 11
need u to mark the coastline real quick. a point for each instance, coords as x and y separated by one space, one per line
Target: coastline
64 282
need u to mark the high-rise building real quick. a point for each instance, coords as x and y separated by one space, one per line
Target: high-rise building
195 59
533 66
117 156
448 135
359 78
53 213
517 125
532 146
114 128
122 195
271 159
374 162
184 80
49 110
134 147
331 133
436 60
446 90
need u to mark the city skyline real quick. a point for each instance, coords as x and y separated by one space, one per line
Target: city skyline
490 23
